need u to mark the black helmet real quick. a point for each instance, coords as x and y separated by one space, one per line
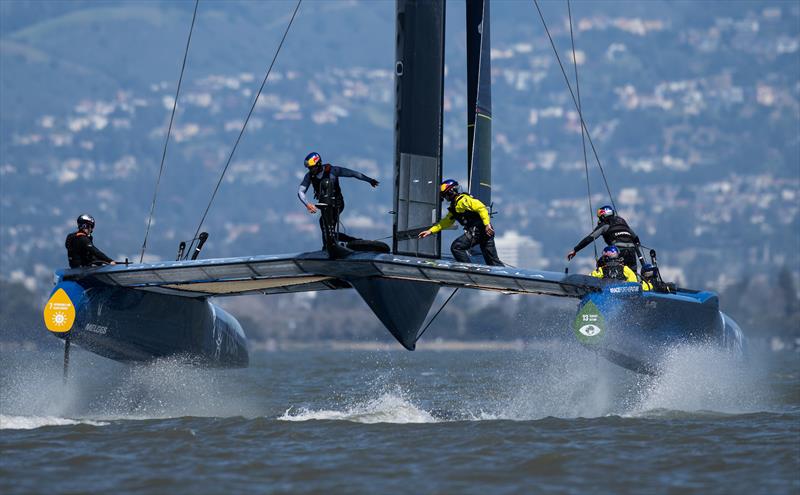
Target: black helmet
85 219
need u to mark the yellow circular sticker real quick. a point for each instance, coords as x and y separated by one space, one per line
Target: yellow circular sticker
59 312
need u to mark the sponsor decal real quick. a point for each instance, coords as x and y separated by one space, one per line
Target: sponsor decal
99 329
59 312
628 289
458 266
590 330
589 324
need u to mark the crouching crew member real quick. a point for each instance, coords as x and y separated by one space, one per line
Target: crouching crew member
612 266
474 216
325 180
80 248
615 232
652 278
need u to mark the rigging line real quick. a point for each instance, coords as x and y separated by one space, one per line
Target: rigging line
583 133
246 120
575 101
437 314
169 131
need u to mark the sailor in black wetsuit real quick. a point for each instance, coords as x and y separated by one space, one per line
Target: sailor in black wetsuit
80 249
324 178
615 232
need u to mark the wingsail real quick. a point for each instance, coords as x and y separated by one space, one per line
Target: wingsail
419 93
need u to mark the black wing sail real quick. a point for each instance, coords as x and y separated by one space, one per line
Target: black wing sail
419 89
479 101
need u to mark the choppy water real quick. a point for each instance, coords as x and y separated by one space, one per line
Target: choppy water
548 420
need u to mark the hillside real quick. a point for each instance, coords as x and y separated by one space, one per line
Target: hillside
694 108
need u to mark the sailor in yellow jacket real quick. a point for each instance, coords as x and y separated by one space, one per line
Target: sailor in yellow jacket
612 266
474 216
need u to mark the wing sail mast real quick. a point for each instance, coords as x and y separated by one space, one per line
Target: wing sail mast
479 101
419 91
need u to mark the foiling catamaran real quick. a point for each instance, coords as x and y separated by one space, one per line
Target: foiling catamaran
145 311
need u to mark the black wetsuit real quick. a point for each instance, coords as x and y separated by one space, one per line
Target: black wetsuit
615 232
81 251
327 190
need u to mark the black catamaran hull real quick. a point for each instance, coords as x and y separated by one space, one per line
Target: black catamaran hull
130 325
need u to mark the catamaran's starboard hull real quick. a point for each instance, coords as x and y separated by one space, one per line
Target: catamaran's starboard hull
636 329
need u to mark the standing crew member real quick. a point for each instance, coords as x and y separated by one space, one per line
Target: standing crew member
473 215
615 232
325 180
80 249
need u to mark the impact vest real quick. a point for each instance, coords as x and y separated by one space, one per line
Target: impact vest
614 269
619 232
74 255
465 218
322 187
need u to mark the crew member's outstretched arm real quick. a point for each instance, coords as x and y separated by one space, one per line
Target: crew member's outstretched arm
346 172
444 223
600 230
597 232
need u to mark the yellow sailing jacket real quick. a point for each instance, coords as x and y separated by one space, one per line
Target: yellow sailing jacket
463 203
630 275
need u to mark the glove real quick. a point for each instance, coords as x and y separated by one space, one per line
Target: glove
571 255
373 183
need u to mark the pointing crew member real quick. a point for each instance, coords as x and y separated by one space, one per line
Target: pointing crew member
80 249
612 266
324 178
473 215
615 232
